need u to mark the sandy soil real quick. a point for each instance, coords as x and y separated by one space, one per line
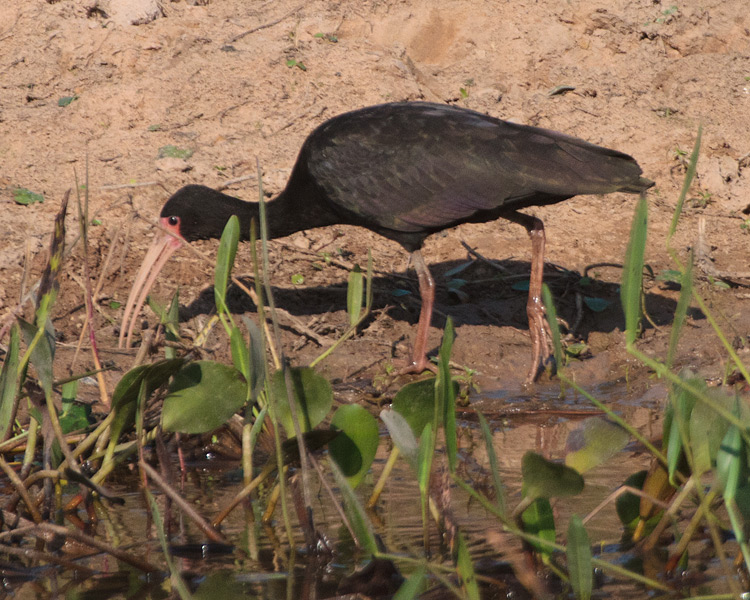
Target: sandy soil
223 79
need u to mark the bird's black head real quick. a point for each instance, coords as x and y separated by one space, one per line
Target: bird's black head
197 212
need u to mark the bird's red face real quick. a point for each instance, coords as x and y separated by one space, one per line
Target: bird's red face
157 256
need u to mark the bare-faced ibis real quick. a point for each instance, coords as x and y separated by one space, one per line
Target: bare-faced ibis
405 171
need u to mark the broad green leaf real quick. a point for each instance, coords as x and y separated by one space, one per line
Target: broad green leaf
592 442
9 384
539 520
707 430
225 261
402 435
632 276
355 295
202 397
545 479
731 463
312 394
360 523
578 550
354 449
415 402
628 505
494 466
74 415
465 569
125 396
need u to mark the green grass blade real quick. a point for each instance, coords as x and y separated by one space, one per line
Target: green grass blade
358 519
177 581
680 313
549 305
413 586
689 175
466 569
224 262
9 384
445 396
632 277
494 466
578 550
354 295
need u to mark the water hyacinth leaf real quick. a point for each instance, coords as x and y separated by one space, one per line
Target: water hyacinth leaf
313 397
632 275
628 505
680 313
465 569
314 441
670 276
363 530
546 479
596 304
355 295
230 238
413 586
549 306
445 396
354 449
402 435
125 396
9 384
539 520
578 550
74 415
202 397
415 402
494 466
592 442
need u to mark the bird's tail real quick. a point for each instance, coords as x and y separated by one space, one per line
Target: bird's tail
636 188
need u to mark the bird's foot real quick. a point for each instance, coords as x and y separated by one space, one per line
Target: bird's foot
417 366
546 364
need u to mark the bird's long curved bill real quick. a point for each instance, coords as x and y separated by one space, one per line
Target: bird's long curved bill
156 257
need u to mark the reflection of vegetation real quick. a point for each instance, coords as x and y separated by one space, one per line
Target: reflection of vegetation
700 471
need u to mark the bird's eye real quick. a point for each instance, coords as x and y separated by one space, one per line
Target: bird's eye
174 221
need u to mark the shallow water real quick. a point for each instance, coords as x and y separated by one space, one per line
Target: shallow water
541 423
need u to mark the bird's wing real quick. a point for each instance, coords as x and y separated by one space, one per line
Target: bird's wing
413 171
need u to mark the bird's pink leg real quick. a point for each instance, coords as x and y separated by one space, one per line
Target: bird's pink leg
540 342
419 360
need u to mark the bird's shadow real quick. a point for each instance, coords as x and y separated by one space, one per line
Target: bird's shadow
475 295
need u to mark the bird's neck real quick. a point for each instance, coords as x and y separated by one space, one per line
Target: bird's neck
287 213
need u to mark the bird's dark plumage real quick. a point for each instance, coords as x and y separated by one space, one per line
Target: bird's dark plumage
406 170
